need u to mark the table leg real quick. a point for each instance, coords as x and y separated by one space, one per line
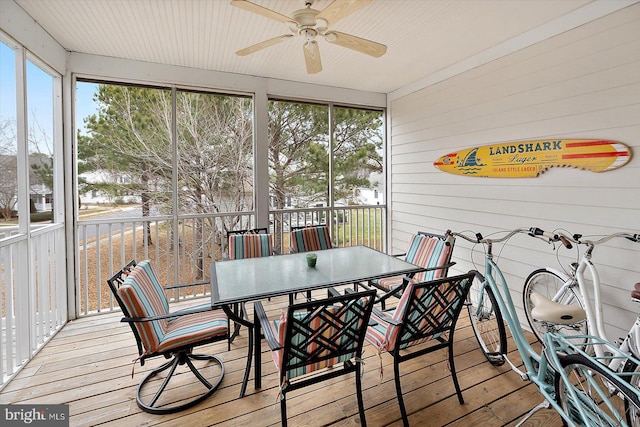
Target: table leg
257 354
239 318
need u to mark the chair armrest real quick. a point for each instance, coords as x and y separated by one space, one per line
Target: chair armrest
184 285
180 313
261 316
440 267
384 316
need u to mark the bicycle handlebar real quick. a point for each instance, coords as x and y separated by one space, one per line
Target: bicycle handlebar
553 237
577 238
480 239
567 241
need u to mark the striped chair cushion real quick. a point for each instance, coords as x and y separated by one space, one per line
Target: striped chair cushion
383 335
192 328
249 245
424 251
143 296
315 334
311 239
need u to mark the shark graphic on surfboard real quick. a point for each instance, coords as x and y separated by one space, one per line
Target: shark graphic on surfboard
527 159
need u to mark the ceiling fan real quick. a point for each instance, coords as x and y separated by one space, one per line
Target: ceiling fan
310 23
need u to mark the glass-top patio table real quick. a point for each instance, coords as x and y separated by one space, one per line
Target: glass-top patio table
251 279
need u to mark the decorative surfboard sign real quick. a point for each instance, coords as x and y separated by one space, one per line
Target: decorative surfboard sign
528 159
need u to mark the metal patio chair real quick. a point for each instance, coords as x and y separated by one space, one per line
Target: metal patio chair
317 340
253 243
172 335
428 250
310 238
423 322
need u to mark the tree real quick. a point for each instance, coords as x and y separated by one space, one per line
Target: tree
8 168
131 136
129 140
299 154
299 157
357 145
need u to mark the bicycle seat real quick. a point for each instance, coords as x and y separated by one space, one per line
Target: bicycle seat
548 311
635 293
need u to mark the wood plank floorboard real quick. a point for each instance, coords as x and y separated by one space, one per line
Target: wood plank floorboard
89 365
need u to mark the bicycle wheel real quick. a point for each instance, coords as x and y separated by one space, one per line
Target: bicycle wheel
486 320
548 284
605 400
633 414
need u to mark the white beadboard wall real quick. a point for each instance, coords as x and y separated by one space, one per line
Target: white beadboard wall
584 83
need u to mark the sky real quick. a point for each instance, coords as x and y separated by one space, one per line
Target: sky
85 105
39 95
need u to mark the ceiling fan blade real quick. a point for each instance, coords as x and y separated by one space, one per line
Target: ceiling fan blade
356 43
312 57
258 46
260 10
340 9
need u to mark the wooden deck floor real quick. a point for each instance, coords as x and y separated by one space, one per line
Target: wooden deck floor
88 365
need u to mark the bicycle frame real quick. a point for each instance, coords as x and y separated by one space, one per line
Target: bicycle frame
529 356
591 301
536 365
560 344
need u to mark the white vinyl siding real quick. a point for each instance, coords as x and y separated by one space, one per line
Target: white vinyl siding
584 83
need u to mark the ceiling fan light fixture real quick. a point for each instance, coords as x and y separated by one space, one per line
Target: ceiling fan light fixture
309 34
330 37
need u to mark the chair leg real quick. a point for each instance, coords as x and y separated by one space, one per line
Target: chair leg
283 410
182 358
453 371
241 311
403 411
247 368
363 421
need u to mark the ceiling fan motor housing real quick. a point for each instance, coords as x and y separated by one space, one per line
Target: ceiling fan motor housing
305 17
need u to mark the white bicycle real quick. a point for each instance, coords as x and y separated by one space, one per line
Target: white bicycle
570 303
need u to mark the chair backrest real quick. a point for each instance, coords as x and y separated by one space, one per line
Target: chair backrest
311 238
249 231
322 333
250 245
114 284
430 250
428 310
116 281
143 296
